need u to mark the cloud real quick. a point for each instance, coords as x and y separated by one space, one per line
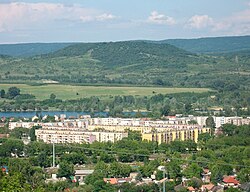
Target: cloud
20 15
157 18
200 21
238 23
105 17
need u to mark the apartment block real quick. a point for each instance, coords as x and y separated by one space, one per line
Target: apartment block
76 135
169 135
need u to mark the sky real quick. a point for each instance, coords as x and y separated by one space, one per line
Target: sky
120 20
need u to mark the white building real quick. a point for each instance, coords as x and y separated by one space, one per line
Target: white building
76 135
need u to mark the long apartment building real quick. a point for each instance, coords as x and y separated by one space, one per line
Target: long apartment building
168 135
160 131
143 129
76 135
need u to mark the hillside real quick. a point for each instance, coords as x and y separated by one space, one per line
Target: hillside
131 62
130 53
212 45
30 49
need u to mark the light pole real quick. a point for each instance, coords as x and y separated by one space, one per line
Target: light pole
164 180
54 156
164 184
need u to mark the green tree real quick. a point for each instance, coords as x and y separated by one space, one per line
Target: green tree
195 183
14 182
19 132
229 129
159 175
210 122
165 110
218 171
52 96
124 157
11 146
244 175
32 132
65 169
134 135
204 137
107 158
193 170
173 169
13 92
42 159
2 93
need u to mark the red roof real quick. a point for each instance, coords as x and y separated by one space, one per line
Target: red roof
206 171
114 181
230 179
191 188
208 186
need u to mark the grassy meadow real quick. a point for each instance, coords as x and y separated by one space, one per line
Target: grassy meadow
65 92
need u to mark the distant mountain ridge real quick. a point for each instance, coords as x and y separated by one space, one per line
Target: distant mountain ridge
207 45
212 45
30 49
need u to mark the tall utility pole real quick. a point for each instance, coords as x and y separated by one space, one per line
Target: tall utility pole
54 156
164 182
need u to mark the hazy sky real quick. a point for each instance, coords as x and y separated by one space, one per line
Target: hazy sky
113 20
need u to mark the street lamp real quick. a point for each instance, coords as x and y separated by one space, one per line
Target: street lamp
164 179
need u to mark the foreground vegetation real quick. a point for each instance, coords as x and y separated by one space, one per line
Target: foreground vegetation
223 155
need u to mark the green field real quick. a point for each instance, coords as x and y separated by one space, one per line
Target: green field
70 92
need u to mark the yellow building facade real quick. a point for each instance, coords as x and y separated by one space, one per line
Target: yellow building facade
174 134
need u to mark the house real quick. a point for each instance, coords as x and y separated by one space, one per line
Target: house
34 118
2 124
117 181
163 180
230 181
4 169
45 117
56 118
191 189
54 179
206 175
4 136
133 175
81 174
207 188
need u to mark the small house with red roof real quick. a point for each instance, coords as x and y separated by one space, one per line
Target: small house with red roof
191 189
116 181
207 187
230 181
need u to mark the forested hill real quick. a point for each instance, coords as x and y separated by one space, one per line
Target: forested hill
128 54
30 49
212 45
131 62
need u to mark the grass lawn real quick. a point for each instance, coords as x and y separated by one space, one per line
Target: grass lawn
70 92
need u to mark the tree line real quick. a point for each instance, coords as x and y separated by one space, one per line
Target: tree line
157 105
